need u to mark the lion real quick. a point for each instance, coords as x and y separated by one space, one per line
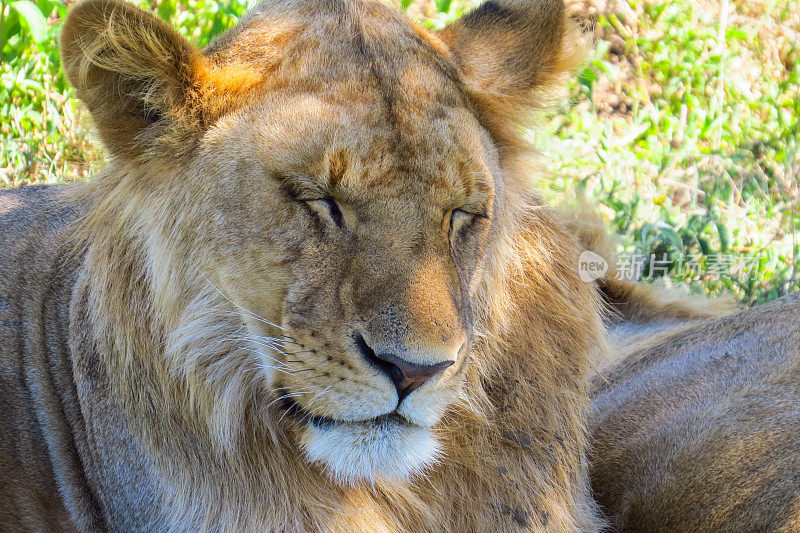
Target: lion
695 424
313 289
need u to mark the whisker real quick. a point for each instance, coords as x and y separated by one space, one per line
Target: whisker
251 313
308 406
289 395
424 475
264 365
267 345
259 352
278 349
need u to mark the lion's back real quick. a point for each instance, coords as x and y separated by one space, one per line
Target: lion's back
68 456
702 432
29 219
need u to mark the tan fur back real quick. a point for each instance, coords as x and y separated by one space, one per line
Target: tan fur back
698 431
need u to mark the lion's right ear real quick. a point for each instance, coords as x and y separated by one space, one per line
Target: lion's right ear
143 83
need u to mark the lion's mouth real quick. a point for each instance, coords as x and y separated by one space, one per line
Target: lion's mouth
294 410
387 446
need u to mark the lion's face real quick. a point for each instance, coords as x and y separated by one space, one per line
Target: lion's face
362 244
337 182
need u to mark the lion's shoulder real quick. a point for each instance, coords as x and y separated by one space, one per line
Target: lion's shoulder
53 461
33 212
710 406
30 400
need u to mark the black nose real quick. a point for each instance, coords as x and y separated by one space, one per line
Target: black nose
406 376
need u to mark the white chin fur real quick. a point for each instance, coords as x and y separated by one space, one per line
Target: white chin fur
352 452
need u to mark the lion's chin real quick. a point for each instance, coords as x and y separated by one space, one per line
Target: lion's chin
384 448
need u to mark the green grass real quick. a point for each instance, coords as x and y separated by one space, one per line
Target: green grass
683 128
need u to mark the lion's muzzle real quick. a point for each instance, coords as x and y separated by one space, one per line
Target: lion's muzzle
407 376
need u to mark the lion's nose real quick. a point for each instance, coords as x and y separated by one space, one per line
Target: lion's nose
406 376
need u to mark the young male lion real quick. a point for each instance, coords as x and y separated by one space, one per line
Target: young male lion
695 423
312 290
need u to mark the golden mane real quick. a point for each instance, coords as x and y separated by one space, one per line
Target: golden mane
513 447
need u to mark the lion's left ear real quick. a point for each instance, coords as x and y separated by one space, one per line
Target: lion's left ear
506 49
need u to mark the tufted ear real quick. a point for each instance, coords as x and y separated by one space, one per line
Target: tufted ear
508 47
507 50
143 83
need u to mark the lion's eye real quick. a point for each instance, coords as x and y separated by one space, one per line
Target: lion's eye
458 219
461 219
327 208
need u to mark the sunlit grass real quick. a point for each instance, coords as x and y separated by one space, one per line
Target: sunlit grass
685 128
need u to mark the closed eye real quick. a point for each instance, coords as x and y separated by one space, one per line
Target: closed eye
461 219
306 192
327 208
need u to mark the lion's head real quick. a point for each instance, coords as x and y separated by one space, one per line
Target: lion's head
312 201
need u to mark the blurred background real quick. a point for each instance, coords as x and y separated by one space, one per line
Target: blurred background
682 127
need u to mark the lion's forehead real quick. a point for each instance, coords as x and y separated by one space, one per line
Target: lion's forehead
357 148
356 50
357 82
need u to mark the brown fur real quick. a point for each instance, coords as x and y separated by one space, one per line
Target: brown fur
207 229
695 424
